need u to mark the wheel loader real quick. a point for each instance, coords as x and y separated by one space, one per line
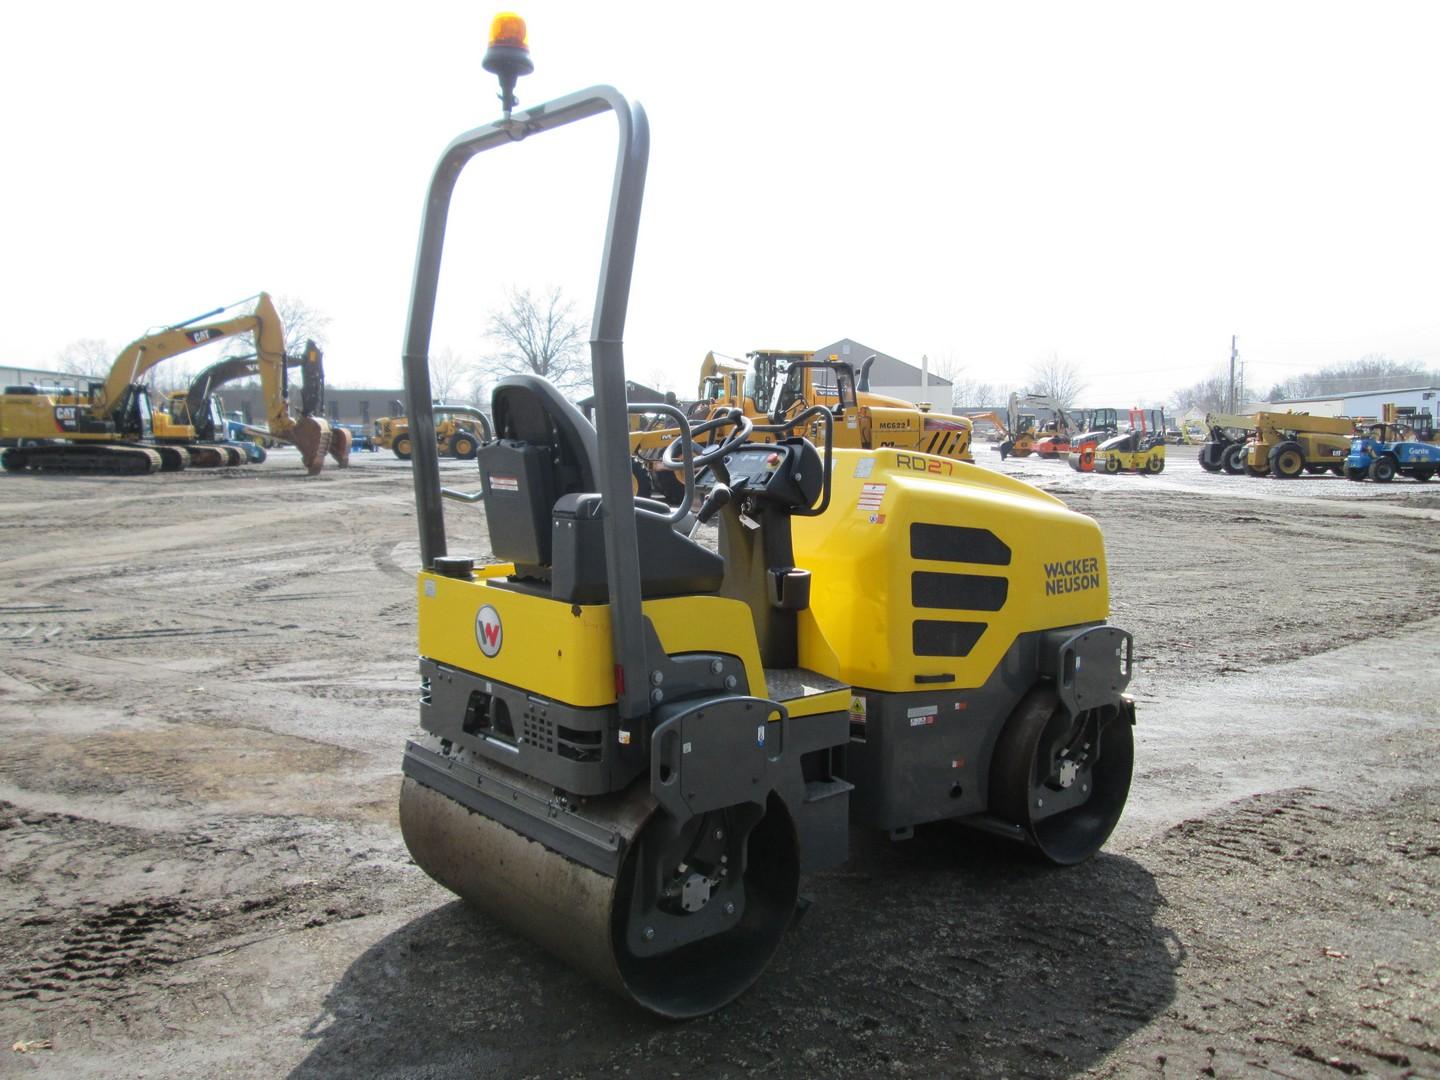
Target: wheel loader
633 760
777 384
457 436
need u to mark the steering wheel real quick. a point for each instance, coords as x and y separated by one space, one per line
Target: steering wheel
742 424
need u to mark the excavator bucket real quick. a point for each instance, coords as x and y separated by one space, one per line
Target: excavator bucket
312 436
340 442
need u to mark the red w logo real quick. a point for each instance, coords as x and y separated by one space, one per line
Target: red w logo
488 630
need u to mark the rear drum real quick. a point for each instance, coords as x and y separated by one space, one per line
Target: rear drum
1064 780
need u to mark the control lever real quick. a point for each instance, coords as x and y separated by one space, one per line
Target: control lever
718 498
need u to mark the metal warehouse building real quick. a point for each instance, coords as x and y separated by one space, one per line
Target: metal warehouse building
1363 403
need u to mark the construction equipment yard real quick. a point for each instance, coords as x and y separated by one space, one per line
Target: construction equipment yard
201 871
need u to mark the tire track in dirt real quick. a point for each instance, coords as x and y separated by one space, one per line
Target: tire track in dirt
1274 898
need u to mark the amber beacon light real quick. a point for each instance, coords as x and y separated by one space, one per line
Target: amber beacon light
508 55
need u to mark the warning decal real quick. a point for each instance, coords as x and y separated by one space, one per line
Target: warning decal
923 715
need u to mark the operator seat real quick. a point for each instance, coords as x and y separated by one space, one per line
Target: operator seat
540 479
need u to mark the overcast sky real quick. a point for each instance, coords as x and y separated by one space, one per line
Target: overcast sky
1124 185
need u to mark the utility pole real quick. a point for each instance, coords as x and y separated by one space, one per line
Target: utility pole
1230 408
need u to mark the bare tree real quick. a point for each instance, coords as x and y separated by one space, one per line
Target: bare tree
302 323
1206 396
972 394
661 379
90 357
1059 380
450 375
1368 373
539 336
477 387
947 366
171 375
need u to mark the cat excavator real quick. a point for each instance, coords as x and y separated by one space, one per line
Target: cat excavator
110 428
633 745
202 406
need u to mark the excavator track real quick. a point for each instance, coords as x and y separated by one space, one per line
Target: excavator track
173 458
100 458
207 456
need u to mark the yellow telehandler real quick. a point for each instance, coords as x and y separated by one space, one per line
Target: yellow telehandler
1284 445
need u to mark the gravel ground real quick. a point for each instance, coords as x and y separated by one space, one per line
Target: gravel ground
206 680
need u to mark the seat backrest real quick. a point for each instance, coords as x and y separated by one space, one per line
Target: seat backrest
543 449
529 409
540 478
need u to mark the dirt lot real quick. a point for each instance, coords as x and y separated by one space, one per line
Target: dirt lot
206 680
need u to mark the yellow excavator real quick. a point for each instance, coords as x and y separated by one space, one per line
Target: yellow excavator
633 744
110 428
201 407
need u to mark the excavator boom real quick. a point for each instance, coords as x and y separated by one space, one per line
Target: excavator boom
116 414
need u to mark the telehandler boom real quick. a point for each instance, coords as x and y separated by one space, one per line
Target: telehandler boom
634 745
1277 444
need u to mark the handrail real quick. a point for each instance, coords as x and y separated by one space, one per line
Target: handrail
467 410
688 447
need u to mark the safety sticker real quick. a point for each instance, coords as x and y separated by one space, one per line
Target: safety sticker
504 483
877 519
857 710
760 735
864 467
871 496
922 715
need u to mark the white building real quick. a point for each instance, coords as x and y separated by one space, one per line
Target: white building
26 376
890 376
1361 404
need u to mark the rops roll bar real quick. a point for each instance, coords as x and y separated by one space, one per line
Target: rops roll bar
607 361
